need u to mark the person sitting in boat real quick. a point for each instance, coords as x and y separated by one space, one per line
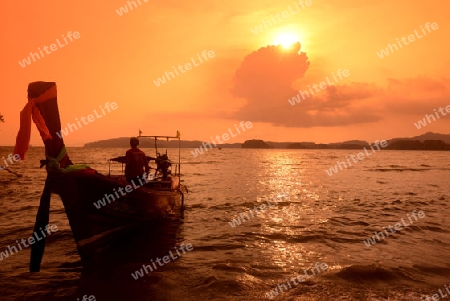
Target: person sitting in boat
136 161
162 165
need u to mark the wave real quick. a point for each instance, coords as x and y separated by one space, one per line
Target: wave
398 169
370 273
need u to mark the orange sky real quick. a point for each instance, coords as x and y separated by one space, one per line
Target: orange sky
118 58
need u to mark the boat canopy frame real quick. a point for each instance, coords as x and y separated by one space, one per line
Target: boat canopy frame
167 138
121 159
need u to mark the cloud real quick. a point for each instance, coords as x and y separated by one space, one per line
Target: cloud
272 68
265 80
416 96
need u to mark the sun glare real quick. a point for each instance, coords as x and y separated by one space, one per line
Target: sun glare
286 40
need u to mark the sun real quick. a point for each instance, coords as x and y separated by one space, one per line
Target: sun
286 40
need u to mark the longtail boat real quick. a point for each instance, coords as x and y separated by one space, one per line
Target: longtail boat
100 208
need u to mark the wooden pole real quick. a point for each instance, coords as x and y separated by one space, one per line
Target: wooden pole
48 108
42 218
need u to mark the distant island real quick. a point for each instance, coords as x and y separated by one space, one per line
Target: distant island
255 144
427 141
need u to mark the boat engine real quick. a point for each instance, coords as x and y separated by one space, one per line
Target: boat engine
162 165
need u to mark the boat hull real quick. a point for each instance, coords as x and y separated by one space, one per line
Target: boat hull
98 228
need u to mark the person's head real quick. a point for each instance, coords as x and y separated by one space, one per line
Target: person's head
134 142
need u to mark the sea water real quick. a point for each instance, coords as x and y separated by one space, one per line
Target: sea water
315 220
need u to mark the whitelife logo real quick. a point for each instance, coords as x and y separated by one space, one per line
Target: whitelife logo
11 157
53 47
124 9
423 122
371 241
128 189
436 297
149 268
199 150
285 14
162 80
245 215
360 156
411 38
319 267
49 229
90 118
321 86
